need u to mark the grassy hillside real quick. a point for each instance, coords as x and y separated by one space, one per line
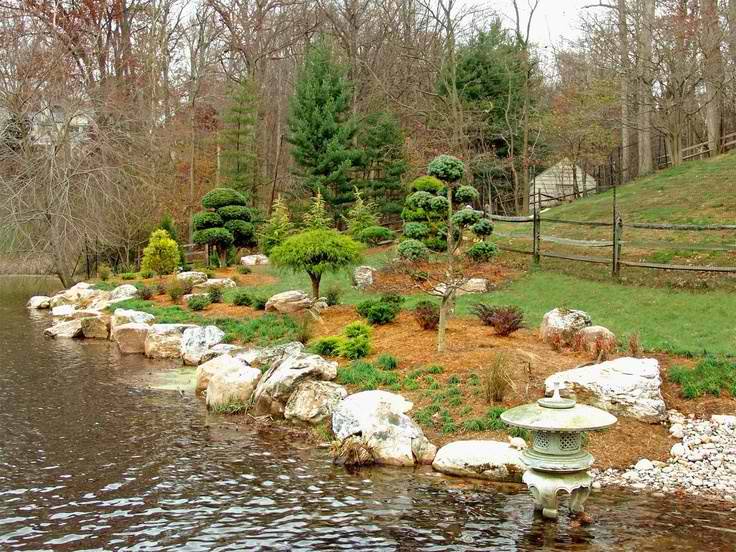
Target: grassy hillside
699 192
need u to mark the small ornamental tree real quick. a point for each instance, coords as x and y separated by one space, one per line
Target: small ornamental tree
161 255
433 221
277 229
227 223
316 217
316 252
361 215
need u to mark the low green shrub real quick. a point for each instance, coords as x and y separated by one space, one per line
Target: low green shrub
387 362
504 320
242 298
104 272
198 302
243 269
327 346
147 274
215 294
355 347
229 408
373 235
146 292
413 250
711 376
466 194
259 302
333 294
357 329
175 290
128 276
382 310
482 252
434 369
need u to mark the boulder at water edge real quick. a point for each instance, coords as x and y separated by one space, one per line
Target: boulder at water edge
96 327
223 363
363 276
63 311
624 386
491 460
131 337
69 329
164 340
288 302
314 401
380 419
127 316
265 357
563 324
280 381
219 350
126 291
192 277
39 302
233 388
253 260
593 337
196 341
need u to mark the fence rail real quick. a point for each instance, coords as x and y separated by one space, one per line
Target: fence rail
617 242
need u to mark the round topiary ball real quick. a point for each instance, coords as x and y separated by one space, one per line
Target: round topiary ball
413 250
429 184
446 168
482 228
416 230
220 197
213 236
419 200
206 219
482 251
244 233
235 212
439 204
466 217
466 194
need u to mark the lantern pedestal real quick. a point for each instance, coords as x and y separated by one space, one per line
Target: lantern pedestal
544 487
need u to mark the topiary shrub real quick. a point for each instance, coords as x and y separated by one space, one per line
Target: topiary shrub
244 233
466 194
466 217
429 184
219 237
235 212
416 230
206 219
436 243
328 346
316 252
161 255
413 250
439 205
482 228
420 200
242 298
198 302
373 235
482 252
220 197
447 168
427 315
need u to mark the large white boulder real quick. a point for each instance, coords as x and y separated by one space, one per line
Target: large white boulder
222 283
219 350
63 311
164 340
624 386
131 337
39 302
563 324
68 329
591 336
314 401
192 277
491 460
289 301
363 276
128 316
265 357
232 388
195 342
280 381
253 260
96 327
380 419
126 291
222 363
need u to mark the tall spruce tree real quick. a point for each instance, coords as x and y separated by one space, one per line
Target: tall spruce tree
238 142
321 129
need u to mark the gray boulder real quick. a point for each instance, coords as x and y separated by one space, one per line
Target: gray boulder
563 324
280 381
131 337
314 401
192 277
39 302
195 342
624 386
490 460
68 329
96 327
126 291
222 363
363 276
265 357
164 340
253 260
288 302
128 316
219 350
232 388
206 286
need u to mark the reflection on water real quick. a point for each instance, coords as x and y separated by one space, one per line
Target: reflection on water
90 463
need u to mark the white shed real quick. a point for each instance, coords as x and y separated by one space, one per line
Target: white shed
556 184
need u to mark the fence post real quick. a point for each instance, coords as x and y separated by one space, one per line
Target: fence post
536 223
615 238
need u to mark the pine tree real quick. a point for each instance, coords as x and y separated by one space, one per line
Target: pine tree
316 217
238 140
278 227
320 128
361 215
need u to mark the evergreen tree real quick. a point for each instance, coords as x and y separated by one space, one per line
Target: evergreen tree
320 128
316 217
278 227
238 141
361 215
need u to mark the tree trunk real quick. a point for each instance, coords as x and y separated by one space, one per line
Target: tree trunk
713 73
646 165
625 91
445 308
315 278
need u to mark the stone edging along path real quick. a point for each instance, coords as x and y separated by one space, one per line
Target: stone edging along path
287 382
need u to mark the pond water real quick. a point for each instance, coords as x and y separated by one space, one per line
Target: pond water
89 461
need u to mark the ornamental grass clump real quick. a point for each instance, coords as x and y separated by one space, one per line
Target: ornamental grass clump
711 376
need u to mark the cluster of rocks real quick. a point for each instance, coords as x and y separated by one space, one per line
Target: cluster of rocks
572 327
702 463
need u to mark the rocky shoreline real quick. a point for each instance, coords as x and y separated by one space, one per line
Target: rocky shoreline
287 382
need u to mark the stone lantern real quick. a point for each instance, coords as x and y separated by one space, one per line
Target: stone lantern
556 460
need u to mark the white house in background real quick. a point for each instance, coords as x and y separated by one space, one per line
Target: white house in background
51 124
556 183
